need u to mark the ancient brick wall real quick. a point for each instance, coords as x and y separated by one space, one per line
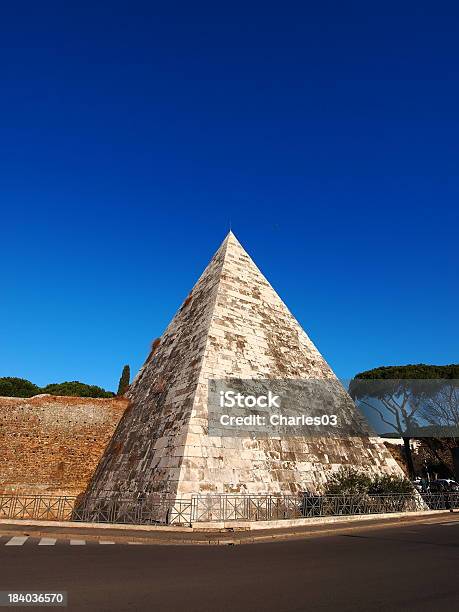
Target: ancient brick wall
50 444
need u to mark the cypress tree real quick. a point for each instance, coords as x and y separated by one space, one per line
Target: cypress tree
124 380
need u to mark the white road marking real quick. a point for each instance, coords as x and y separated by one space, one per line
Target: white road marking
20 540
16 541
47 542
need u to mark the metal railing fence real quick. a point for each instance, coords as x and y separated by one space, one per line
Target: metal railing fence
38 507
166 509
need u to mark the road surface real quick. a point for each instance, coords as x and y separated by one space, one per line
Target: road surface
412 566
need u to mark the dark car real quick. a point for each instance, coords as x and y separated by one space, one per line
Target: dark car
443 485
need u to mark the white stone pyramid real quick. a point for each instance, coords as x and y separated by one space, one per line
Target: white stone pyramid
232 325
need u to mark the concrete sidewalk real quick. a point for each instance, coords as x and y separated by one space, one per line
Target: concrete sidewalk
215 534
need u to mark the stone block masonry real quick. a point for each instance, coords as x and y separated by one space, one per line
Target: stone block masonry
51 445
232 325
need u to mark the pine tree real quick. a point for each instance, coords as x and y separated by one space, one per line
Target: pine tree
124 380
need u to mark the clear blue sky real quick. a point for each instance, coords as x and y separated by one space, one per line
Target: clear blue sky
131 133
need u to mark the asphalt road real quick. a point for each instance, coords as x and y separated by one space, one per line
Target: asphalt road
413 566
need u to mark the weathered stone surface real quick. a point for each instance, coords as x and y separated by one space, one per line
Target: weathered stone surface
51 445
232 325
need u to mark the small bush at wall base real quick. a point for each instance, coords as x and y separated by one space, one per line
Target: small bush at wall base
349 481
385 485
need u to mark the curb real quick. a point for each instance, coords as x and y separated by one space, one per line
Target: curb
225 526
76 525
305 522
228 535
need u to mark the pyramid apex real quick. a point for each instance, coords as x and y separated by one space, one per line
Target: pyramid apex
231 236
231 242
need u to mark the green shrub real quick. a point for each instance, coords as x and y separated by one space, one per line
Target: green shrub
20 387
386 485
17 387
76 389
349 481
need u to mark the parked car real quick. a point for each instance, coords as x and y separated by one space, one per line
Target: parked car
443 485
